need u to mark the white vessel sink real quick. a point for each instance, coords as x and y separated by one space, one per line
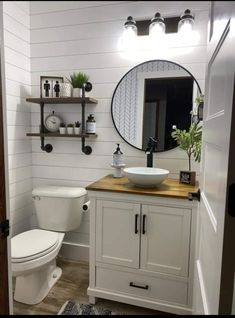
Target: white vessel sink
146 176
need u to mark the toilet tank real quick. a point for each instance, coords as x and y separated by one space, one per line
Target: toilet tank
59 208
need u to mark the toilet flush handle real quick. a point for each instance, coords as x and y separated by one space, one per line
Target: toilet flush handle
36 198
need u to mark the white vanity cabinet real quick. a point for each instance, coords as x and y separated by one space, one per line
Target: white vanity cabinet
142 249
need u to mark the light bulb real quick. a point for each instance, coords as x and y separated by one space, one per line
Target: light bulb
157 26
129 34
186 23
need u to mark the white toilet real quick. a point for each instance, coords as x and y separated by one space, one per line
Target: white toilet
34 252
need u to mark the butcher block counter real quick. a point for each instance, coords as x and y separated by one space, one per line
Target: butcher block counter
168 188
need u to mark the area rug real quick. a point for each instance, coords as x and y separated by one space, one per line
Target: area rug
74 308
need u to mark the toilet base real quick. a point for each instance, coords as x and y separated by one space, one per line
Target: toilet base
32 288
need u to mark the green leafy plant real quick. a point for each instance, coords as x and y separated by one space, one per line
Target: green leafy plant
77 124
190 141
70 125
62 125
78 79
199 99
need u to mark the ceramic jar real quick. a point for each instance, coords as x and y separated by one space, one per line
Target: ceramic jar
65 90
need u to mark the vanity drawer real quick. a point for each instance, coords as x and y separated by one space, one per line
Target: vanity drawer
162 289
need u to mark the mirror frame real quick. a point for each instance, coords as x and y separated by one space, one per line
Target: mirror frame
199 89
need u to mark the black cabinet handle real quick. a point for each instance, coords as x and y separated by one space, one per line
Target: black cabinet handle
144 218
139 286
136 225
231 200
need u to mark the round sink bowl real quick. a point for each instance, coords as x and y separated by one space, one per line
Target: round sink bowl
146 176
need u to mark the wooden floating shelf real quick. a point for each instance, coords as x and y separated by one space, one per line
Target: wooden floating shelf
62 100
60 135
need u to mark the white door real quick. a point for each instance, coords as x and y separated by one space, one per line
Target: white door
219 94
117 236
165 239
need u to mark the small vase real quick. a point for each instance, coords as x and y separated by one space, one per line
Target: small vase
70 130
62 130
65 90
77 92
77 130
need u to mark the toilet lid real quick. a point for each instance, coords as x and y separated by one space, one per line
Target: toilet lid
32 244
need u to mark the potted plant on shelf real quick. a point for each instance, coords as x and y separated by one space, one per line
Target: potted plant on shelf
62 128
77 127
77 80
190 141
70 129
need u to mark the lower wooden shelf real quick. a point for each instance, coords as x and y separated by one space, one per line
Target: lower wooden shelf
60 135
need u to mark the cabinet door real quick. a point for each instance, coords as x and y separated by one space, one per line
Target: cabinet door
165 243
117 233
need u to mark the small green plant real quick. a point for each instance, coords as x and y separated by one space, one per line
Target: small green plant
199 99
62 125
77 124
70 125
78 79
190 141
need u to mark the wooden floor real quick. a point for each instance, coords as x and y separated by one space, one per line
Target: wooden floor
73 286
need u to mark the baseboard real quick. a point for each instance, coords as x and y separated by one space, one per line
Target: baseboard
75 251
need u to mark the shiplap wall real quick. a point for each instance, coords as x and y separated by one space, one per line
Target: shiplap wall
69 36
16 42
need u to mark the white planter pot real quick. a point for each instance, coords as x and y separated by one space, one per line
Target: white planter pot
65 90
70 130
77 92
77 130
62 130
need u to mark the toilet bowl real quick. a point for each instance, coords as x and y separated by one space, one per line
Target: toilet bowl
34 252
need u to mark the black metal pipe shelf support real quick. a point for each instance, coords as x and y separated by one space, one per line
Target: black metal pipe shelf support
87 150
47 147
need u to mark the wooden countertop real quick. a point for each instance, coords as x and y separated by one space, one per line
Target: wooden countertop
168 188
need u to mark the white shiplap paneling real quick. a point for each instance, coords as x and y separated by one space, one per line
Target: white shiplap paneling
16 24
78 35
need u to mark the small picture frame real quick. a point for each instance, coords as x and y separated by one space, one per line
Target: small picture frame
47 84
188 177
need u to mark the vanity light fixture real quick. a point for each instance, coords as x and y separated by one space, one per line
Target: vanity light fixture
156 30
157 26
186 22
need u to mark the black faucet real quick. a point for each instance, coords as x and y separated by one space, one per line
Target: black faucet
149 151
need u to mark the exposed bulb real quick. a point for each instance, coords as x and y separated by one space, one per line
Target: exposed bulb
186 23
157 26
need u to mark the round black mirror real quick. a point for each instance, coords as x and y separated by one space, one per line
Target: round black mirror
150 99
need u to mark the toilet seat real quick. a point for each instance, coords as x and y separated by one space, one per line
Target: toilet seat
33 244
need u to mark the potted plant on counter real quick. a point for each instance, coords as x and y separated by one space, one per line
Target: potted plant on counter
77 80
190 141
62 128
77 127
70 128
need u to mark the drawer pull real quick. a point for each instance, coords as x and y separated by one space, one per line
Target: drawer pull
139 286
136 219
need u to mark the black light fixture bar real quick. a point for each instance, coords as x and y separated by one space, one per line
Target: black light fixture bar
171 25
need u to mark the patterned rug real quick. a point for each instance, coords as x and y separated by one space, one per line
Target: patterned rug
74 308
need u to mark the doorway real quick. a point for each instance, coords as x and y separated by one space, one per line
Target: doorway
4 228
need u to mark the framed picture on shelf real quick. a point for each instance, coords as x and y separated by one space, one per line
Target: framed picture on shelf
188 177
50 86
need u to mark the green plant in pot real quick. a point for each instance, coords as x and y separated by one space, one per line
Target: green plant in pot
77 127
70 128
77 79
62 128
190 141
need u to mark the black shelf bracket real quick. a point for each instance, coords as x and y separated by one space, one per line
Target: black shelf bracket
87 150
47 147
